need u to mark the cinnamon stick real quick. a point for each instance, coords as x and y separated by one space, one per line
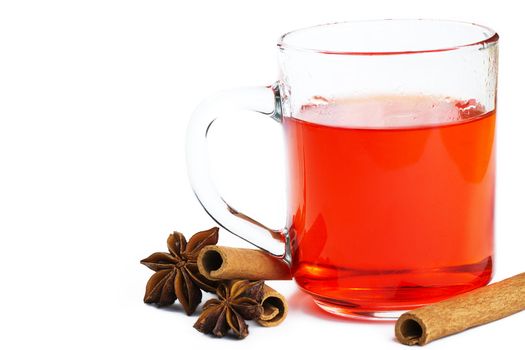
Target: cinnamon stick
480 306
225 263
275 308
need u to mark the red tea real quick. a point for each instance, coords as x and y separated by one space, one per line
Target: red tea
391 200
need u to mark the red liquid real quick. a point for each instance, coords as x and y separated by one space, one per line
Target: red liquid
391 200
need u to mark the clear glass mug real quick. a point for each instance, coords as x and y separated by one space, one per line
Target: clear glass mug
389 128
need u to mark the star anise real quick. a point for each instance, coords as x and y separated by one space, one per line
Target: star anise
237 301
176 274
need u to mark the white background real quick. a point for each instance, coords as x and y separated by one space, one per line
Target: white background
95 97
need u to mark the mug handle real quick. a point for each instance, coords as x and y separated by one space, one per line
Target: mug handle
263 100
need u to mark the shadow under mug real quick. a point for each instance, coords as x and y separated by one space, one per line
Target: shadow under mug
389 129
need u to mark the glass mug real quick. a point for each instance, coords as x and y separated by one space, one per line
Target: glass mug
389 129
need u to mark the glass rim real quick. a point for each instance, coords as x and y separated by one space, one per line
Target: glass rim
491 39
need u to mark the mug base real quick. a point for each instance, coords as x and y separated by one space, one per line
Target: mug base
358 313
391 294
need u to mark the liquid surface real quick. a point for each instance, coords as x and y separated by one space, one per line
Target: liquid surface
391 199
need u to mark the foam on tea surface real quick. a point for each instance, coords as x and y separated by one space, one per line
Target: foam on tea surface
389 111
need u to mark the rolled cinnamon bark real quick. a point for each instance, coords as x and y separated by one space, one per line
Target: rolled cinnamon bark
275 308
226 263
480 306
